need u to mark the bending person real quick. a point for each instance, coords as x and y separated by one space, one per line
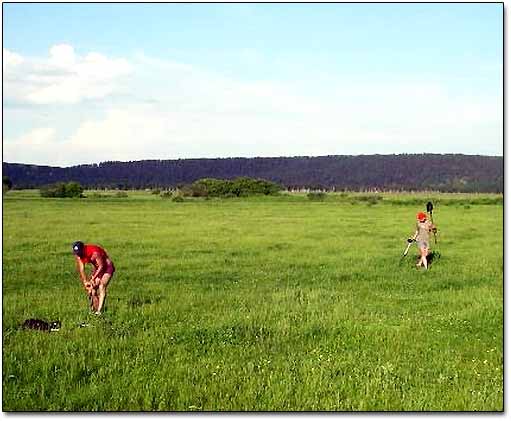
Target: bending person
100 277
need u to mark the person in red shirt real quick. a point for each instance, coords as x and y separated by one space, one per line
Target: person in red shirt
103 271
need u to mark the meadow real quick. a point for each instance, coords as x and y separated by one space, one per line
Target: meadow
255 304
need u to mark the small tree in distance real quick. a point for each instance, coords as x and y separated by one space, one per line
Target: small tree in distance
71 189
241 186
6 184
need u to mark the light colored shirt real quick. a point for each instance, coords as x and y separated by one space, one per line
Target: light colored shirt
423 229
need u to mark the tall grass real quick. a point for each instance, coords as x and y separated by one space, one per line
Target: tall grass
273 304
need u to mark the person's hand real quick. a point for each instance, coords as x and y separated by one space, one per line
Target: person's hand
88 288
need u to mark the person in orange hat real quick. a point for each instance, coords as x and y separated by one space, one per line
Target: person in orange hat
422 233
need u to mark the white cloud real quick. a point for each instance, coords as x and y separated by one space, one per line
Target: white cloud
40 144
122 134
10 60
35 137
39 136
62 55
175 110
63 77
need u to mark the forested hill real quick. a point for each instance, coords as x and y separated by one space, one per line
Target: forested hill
462 173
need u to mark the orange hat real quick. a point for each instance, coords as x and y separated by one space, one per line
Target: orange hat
421 216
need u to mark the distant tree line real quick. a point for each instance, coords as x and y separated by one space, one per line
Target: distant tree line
448 173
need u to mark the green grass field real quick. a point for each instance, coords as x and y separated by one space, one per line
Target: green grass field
270 303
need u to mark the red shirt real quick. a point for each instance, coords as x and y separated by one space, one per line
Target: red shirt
89 250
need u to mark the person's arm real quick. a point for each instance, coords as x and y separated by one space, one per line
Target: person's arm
433 227
416 233
81 270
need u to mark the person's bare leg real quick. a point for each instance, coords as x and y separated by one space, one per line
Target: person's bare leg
424 257
90 297
95 300
103 283
419 259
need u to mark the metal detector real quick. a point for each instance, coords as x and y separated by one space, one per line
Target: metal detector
429 209
410 242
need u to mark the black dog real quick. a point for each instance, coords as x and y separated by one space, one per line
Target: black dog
38 324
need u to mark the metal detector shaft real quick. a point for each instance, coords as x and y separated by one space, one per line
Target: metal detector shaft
434 234
429 209
406 250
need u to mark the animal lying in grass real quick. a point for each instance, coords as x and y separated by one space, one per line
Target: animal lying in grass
37 324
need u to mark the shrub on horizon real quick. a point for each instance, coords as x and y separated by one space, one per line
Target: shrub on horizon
316 196
6 184
70 189
239 187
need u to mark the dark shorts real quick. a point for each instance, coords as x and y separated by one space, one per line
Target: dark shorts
110 269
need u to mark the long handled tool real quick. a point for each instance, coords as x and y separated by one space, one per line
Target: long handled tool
429 209
410 242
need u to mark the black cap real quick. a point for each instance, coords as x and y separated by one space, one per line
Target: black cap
78 248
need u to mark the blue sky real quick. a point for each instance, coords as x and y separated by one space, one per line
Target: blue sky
94 82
